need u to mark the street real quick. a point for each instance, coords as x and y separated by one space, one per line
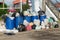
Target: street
51 34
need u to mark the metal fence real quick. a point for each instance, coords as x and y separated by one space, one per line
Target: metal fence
53 8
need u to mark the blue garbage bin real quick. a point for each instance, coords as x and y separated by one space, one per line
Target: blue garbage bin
41 18
18 21
9 23
21 19
45 16
28 18
34 17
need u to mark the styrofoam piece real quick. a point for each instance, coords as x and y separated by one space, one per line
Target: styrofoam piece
25 23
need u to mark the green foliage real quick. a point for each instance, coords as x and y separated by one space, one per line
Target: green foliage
26 6
1 5
3 11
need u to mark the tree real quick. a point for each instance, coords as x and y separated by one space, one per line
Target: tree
26 6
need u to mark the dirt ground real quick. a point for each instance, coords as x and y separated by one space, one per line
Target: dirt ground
33 35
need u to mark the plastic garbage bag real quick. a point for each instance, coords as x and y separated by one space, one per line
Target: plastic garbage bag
21 28
43 25
38 27
25 23
37 22
28 27
33 26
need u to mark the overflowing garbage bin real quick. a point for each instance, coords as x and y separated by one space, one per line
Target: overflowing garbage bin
18 21
41 18
9 23
34 17
27 18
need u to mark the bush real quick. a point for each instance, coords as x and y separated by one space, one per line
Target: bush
26 6
1 5
3 11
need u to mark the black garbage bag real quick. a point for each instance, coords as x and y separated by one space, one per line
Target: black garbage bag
33 26
56 26
20 13
52 19
21 28
41 12
13 15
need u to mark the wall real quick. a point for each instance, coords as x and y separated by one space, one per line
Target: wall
37 4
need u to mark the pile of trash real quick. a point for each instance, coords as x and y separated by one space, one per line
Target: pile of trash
27 21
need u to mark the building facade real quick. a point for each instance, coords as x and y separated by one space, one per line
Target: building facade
36 4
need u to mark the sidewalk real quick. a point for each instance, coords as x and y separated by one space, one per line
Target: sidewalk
2 26
34 35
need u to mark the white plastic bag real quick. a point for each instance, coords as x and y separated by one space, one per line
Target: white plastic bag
26 13
38 27
25 23
36 21
43 25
